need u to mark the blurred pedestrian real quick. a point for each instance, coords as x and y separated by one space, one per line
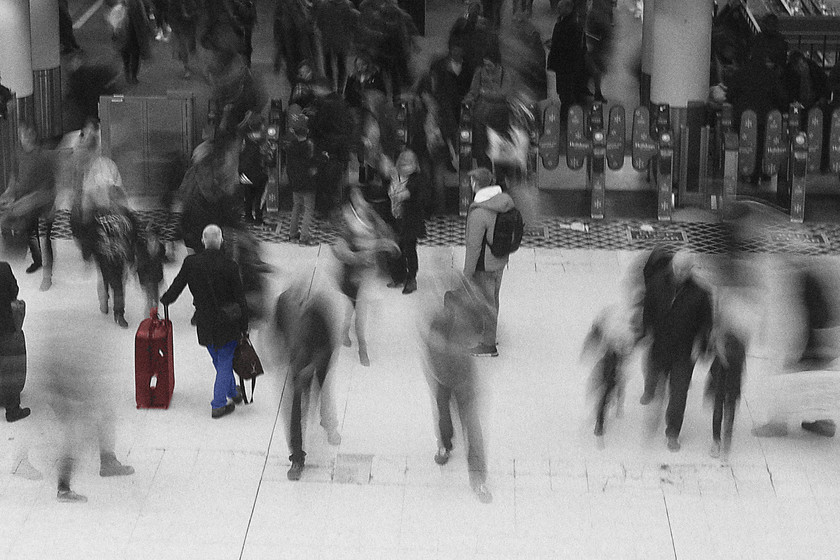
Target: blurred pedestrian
363 236
294 35
30 198
12 348
253 169
133 35
610 340
221 312
151 254
302 169
183 17
483 268
724 384
679 337
407 191
114 243
451 373
567 57
336 22
331 129
306 325
78 381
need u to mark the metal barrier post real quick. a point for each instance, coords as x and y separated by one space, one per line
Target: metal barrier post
273 133
799 172
464 160
664 175
730 168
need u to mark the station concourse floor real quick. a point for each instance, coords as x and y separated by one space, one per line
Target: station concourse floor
217 489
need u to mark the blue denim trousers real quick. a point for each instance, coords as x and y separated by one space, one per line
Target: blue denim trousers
225 385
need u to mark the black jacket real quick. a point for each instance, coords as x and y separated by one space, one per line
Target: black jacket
214 281
8 293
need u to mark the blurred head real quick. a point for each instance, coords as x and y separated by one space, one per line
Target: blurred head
321 86
28 136
480 178
211 237
565 7
304 71
89 134
456 53
361 64
473 8
407 163
682 265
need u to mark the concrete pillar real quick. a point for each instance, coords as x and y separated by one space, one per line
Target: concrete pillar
16 55
647 52
46 66
682 43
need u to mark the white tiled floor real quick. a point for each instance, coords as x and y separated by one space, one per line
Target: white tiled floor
217 489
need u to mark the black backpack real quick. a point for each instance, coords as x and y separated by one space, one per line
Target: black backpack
507 233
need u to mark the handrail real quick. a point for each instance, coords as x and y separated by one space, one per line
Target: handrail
751 21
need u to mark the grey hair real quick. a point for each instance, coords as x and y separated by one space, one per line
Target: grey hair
211 237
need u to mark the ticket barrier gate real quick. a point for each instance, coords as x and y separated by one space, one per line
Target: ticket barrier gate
589 144
274 132
653 150
790 154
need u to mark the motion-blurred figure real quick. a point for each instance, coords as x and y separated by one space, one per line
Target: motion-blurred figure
363 236
114 241
133 37
151 254
294 35
451 372
30 198
680 325
610 342
88 80
567 57
183 18
66 37
12 349
407 190
302 169
253 169
78 378
724 384
306 325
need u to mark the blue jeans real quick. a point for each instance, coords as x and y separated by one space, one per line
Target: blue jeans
225 385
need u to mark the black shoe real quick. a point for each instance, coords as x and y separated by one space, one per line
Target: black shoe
673 444
295 471
394 284
646 398
240 393
33 267
15 414
119 318
484 351
410 286
223 411
825 428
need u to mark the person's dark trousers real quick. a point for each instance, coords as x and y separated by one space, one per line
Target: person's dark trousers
680 379
253 198
404 267
302 381
35 242
335 67
10 400
609 379
65 27
65 473
493 12
112 277
723 414
468 412
131 58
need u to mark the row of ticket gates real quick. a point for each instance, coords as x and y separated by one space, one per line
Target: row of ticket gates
792 148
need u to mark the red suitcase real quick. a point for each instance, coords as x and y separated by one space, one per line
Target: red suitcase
154 368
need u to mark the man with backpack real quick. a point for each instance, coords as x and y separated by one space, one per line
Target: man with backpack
494 230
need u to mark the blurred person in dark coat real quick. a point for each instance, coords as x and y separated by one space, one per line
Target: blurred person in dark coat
183 18
567 57
306 324
681 328
724 384
253 169
151 254
475 37
294 35
215 285
302 169
336 22
12 349
450 373
66 37
133 37
30 198
331 129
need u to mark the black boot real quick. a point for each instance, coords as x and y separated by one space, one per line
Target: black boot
17 413
119 318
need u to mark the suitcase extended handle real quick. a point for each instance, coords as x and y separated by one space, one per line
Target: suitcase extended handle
166 312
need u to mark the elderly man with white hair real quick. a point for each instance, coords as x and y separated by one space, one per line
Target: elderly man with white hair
221 313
